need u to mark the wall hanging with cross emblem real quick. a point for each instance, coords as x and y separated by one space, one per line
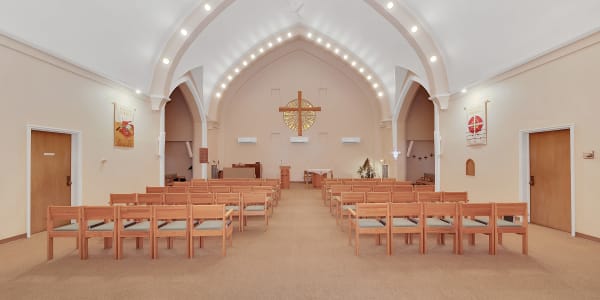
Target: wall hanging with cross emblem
299 114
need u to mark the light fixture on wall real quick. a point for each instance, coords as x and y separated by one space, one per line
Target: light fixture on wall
395 154
298 139
247 140
351 140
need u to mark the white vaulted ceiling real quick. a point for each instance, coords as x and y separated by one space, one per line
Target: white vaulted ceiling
126 40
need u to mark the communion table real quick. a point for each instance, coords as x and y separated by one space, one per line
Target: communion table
318 175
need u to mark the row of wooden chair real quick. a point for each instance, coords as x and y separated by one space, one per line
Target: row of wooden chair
346 200
335 189
271 191
242 204
139 222
458 219
237 181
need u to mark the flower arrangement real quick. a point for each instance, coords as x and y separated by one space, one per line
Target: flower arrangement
366 170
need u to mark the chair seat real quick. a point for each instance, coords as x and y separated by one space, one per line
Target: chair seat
504 223
211 225
435 222
109 226
140 226
403 222
483 219
472 223
175 225
75 226
347 207
232 207
370 223
255 208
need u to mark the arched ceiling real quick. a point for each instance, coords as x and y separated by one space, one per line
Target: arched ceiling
126 40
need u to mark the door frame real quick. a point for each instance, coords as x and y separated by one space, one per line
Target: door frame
76 167
524 172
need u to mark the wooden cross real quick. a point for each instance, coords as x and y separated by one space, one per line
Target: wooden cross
299 109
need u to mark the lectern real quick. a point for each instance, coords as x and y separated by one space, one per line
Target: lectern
285 176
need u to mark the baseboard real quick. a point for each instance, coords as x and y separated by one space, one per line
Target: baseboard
13 238
587 237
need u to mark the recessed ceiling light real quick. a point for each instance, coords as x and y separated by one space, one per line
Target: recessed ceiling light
252 56
337 50
230 77
353 63
183 32
166 61
309 35
289 34
361 70
270 44
328 45
369 77
319 40
375 85
218 95
261 50
464 91
245 63
207 7
223 85
345 56
380 94
138 92
433 58
279 39
414 29
237 70
390 5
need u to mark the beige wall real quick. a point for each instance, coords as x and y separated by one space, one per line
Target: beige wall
560 92
347 110
58 95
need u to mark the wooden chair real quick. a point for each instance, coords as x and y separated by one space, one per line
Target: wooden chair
156 189
62 221
177 199
240 188
150 199
139 230
202 198
388 181
404 197
382 188
256 204
403 182
406 218
424 188
348 200
429 196
440 218
270 193
219 189
181 183
468 212
212 220
106 230
177 189
378 197
198 189
233 202
362 188
198 183
123 199
367 218
518 212
176 224
334 196
404 188
458 197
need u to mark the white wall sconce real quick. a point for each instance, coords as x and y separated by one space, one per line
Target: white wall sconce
298 139
351 140
247 140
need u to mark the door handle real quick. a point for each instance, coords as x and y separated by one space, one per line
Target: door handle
69 181
531 181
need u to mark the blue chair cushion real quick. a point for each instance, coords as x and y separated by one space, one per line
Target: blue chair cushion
68 227
472 223
483 219
255 208
403 222
232 207
369 223
435 222
504 223
347 207
175 225
141 226
212 225
109 226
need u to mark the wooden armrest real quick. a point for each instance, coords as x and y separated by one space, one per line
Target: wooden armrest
352 212
228 213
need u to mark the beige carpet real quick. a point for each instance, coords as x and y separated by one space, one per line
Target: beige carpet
304 255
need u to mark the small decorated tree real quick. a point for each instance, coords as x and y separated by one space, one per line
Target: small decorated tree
366 170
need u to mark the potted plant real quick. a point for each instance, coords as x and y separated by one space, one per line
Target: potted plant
366 170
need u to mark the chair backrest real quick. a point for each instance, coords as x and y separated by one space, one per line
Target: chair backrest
338 188
512 210
240 188
156 189
352 197
263 188
177 189
435 209
177 199
362 188
134 212
378 197
214 211
150 199
181 183
105 213
170 212
228 198
414 209
202 198
404 197
429 196
388 181
382 188
249 198
402 188
123 199
198 189
62 213
198 182
219 189
472 210
371 210
424 188
403 182
455 197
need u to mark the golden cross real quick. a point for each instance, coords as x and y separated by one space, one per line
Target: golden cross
299 109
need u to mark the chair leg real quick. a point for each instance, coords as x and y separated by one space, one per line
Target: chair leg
499 238
391 240
201 242
460 243
524 242
388 240
421 243
190 246
223 251
139 243
50 248
155 248
357 241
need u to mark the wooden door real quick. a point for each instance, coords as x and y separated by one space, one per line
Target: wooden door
550 179
50 174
